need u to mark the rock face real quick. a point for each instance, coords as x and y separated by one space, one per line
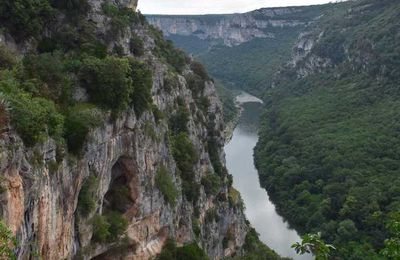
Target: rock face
232 29
41 194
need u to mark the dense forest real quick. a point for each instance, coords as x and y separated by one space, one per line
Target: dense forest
329 149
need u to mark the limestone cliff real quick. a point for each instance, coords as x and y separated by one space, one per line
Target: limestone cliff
235 29
42 185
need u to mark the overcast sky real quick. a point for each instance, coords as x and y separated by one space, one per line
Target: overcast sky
215 6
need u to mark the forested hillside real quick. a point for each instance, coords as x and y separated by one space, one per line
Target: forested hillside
251 47
329 149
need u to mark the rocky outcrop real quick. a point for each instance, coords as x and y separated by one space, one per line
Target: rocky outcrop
232 29
42 185
303 60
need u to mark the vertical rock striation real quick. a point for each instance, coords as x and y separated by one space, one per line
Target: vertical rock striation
40 201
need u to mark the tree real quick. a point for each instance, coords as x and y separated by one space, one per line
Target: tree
392 245
313 243
25 18
108 82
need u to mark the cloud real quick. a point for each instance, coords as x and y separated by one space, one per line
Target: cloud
215 6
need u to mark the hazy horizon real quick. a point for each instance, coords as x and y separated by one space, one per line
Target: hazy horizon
193 7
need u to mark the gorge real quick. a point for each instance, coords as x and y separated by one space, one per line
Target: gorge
328 147
113 141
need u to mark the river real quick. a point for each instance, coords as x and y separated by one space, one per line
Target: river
260 211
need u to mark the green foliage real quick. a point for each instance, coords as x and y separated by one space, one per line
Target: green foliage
94 48
171 82
392 244
190 251
4 115
80 119
313 243
108 228
136 45
199 70
7 243
213 150
234 198
254 249
329 141
157 113
184 153
75 35
186 156
179 120
121 18
7 58
211 216
195 83
226 96
48 73
107 82
87 199
166 185
25 18
142 80
101 229
73 7
34 118
252 65
165 49
149 131
196 227
118 224
211 183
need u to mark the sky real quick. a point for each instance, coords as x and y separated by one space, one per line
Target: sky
215 6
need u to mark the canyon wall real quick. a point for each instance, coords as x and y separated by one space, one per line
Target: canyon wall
43 184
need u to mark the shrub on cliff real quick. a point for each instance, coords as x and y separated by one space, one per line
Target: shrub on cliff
118 224
7 58
142 81
35 118
136 45
25 18
48 72
199 70
178 121
107 82
101 229
166 50
190 251
211 183
254 249
186 156
166 185
73 7
79 120
108 227
121 18
86 199
7 242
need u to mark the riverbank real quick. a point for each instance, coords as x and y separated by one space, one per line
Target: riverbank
240 99
259 209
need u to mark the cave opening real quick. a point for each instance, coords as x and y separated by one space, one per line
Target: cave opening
123 193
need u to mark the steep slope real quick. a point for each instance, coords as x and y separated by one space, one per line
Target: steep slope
254 44
329 146
110 139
